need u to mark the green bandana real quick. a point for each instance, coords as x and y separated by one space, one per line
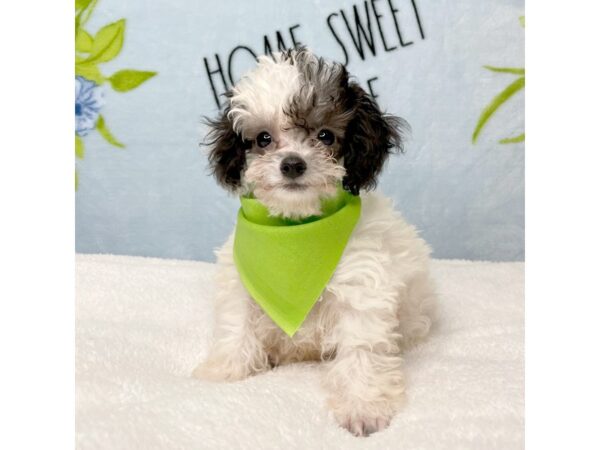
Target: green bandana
284 264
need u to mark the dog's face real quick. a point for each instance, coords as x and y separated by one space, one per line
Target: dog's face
294 129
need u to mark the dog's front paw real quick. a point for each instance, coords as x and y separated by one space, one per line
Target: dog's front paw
363 425
220 370
360 417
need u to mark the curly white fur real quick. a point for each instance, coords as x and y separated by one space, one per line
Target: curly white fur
259 99
379 300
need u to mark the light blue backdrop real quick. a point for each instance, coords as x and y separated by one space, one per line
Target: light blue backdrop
155 198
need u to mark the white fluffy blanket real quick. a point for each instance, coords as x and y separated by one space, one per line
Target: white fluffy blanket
143 324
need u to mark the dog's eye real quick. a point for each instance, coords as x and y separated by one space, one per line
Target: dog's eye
263 139
326 137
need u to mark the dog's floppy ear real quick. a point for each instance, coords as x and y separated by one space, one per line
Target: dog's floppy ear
227 156
370 137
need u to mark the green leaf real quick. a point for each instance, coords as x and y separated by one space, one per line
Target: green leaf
126 80
522 21
86 12
89 71
77 23
81 4
513 140
515 70
107 42
79 148
496 102
106 134
83 13
83 41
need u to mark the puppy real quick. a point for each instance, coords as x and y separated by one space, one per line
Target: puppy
297 110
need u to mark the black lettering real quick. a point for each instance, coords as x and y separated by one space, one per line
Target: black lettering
414 5
394 11
280 44
360 31
377 17
336 37
230 60
268 50
294 41
210 74
372 92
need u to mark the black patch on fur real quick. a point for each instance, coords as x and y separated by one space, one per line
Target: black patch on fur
366 135
227 156
371 136
322 85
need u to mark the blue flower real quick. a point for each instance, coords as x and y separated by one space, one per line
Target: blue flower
88 101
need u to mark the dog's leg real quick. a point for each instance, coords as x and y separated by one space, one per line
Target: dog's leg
417 311
236 351
365 378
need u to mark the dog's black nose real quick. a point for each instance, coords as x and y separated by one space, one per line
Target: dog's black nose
292 166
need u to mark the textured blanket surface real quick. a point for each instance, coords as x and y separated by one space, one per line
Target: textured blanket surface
143 324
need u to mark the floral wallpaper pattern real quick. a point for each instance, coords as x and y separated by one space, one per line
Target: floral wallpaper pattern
467 199
502 98
89 99
90 92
